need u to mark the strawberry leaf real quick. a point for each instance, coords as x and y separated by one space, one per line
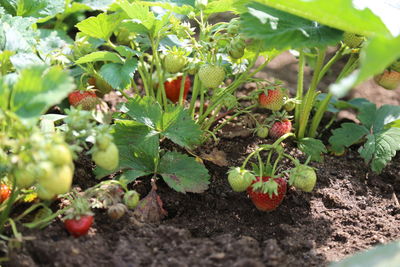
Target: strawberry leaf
119 75
180 128
174 124
312 147
347 135
142 19
385 115
146 111
183 173
380 148
138 148
100 56
281 30
37 89
101 26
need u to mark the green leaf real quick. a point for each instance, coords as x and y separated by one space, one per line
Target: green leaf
17 33
138 146
100 56
347 135
139 13
117 75
377 54
183 173
312 147
131 175
145 110
385 115
392 124
97 4
127 51
281 30
34 8
367 114
219 6
387 255
180 128
175 124
101 26
37 89
380 148
345 15
177 7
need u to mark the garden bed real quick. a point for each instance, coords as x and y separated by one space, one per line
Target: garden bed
351 209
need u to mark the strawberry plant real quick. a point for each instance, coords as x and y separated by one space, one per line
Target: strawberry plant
378 131
264 185
137 134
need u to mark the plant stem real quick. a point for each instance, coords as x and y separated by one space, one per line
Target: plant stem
333 60
182 89
195 93
351 63
299 90
309 100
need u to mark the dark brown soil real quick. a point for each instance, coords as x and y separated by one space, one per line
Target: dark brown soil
351 209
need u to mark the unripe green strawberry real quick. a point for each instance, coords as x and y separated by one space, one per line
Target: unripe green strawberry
44 194
211 76
131 199
271 99
236 48
103 141
352 40
262 132
107 159
303 177
174 62
289 105
389 79
60 154
60 182
240 179
25 177
230 101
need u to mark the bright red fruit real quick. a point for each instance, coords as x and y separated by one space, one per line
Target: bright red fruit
86 99
273 100
79 226
266 201
5 192
280 128
173 87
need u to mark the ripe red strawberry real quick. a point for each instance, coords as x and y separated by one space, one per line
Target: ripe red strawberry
86 99
173 87
267 194
280 128
389 79
5 192
79 226
272 99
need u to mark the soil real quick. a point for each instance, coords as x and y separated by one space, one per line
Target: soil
351 209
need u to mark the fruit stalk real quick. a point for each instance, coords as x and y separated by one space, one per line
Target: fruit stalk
350 65
299 90
308 102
